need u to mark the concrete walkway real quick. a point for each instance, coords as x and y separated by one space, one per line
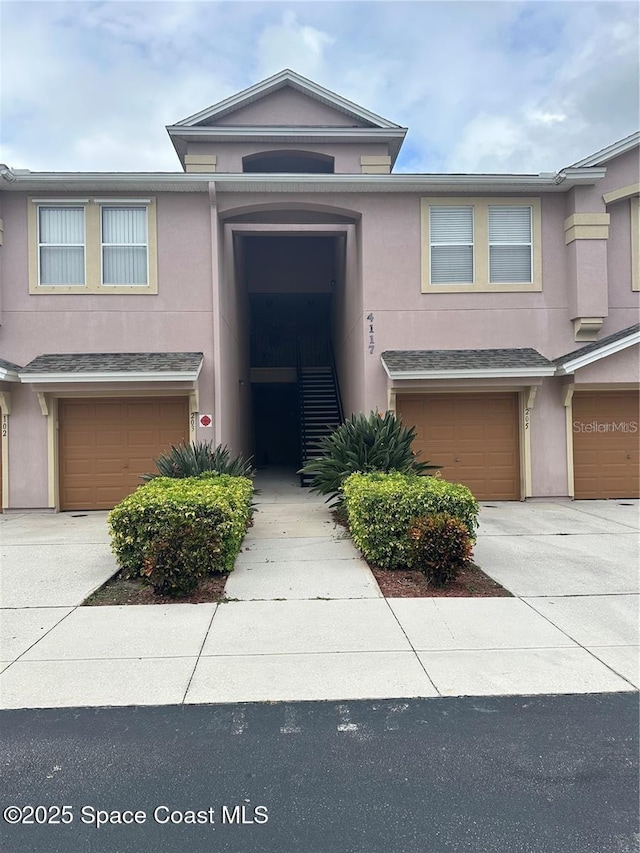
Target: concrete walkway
307 620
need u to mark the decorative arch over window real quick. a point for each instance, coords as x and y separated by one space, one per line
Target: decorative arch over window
289 162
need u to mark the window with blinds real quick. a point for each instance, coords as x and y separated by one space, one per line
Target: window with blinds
481 244
61 245
510 244
451 244
124 246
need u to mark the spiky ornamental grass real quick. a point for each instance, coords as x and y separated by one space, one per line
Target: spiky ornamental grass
363 443
197 458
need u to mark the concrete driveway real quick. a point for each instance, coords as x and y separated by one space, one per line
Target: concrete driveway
308 621
561 547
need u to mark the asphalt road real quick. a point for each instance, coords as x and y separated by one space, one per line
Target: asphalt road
509 774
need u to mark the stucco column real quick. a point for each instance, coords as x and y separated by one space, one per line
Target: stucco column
586 234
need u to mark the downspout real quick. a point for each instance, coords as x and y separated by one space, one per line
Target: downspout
215 315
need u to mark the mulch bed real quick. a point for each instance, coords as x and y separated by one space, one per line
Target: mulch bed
393 583
119 591
405 583
408 583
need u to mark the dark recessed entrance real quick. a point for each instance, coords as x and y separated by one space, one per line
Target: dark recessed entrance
276 429
290 284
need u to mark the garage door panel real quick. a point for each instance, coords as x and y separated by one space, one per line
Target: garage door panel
79 467
606 444
501 461
109 440
106 444
479 430
78 438
171 436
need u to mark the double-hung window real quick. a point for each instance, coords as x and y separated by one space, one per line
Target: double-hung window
451 230
124 245
92 245
61 245
510 244
485 244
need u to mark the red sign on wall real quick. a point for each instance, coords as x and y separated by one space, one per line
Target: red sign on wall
205 421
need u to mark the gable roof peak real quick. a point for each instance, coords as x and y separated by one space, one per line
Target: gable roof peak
282 79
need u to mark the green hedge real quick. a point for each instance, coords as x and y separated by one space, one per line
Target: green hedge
381 507
176 531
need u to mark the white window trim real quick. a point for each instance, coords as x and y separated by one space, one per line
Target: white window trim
82 245
435 245
529 244
92 247
106 205
482 283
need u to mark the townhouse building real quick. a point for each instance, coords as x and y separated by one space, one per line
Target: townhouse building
285 276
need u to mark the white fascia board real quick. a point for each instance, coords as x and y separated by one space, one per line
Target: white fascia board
229 133
595 355
574 176
488 373
8 375
94 376
243 182
398 182
611 151
278 81
180 136
106 181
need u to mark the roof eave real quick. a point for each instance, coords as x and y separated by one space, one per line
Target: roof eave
579 361
489 373
243 182
106 376
180 136
8 375
577 176
611 151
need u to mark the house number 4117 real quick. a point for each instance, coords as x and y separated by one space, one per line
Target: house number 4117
371 334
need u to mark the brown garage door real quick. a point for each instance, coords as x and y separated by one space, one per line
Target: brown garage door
605 444
105 444
474 437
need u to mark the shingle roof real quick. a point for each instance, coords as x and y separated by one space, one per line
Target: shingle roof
596 345
400 361
114 362
9 365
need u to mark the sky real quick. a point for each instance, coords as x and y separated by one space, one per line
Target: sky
482 86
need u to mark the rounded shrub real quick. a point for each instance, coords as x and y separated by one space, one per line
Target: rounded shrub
173 532
381 508
439 547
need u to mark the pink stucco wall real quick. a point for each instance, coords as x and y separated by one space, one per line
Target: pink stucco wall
178 318
622 366
622 172
287 106
202 305
548 442
346 155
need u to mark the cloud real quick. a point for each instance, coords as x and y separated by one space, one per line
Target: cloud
483 86
289 44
